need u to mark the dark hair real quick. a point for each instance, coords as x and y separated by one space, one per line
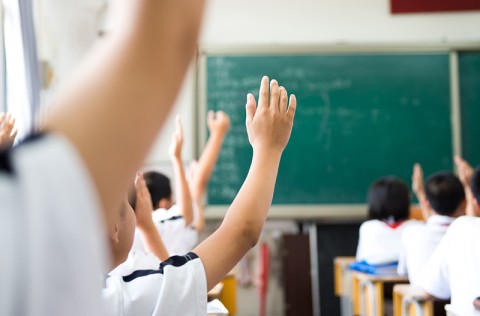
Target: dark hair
158 185
388 198
444 192
475 184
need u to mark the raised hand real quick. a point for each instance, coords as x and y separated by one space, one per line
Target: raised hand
218 122
143 204
269 124
465 171
417 181
177 140
7 130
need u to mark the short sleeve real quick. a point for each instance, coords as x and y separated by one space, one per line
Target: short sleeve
53 251
435 279
177 287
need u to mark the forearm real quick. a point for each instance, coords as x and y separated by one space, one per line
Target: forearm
182 191
470 207
152 241
205 166
422 201
129 77
254 199
244 220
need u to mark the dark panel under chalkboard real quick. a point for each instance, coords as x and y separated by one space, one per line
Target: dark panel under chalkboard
469 69
359 117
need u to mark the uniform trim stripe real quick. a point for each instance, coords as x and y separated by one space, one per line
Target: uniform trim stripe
5 163
176 261
173 218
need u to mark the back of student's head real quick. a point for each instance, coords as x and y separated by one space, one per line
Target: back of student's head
389 198
158 186
475 184
444 193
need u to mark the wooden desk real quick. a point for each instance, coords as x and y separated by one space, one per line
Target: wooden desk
369 292
343 283
216 292
411 301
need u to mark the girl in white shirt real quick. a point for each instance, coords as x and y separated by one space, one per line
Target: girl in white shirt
388 210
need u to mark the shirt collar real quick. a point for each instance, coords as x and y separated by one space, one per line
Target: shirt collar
441 220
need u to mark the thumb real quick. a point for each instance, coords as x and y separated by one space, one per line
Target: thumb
250 108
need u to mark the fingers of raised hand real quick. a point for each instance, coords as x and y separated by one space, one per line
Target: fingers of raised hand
274 95
264 92
250 108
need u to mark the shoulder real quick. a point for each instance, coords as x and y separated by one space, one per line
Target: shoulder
46 179
413 226
371 223
179 279
464 225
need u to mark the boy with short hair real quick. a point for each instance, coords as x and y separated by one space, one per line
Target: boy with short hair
179 285
443 200
452 271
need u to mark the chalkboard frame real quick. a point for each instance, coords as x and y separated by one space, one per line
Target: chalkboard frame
333 212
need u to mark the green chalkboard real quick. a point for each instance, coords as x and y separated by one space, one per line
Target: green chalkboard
469 74
359 117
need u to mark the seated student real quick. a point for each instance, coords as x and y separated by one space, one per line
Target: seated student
59 193
7 130
179 285
388 211
443 199
452 271
175 221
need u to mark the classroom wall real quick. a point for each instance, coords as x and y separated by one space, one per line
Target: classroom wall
68 27
330 22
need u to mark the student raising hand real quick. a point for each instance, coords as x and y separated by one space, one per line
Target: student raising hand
143 214
7 132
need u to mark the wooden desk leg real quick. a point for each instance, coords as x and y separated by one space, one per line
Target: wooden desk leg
397 304
371 298
355 295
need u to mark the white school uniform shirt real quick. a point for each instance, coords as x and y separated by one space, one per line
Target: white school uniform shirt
379 243
177 286
418 245
454 268
51 232
176 236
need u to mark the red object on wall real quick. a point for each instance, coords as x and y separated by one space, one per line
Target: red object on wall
413 6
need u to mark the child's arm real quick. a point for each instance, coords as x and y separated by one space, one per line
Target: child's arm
145 224
182 191
465 173
124 91
218 124
419 190
269 127
7 132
